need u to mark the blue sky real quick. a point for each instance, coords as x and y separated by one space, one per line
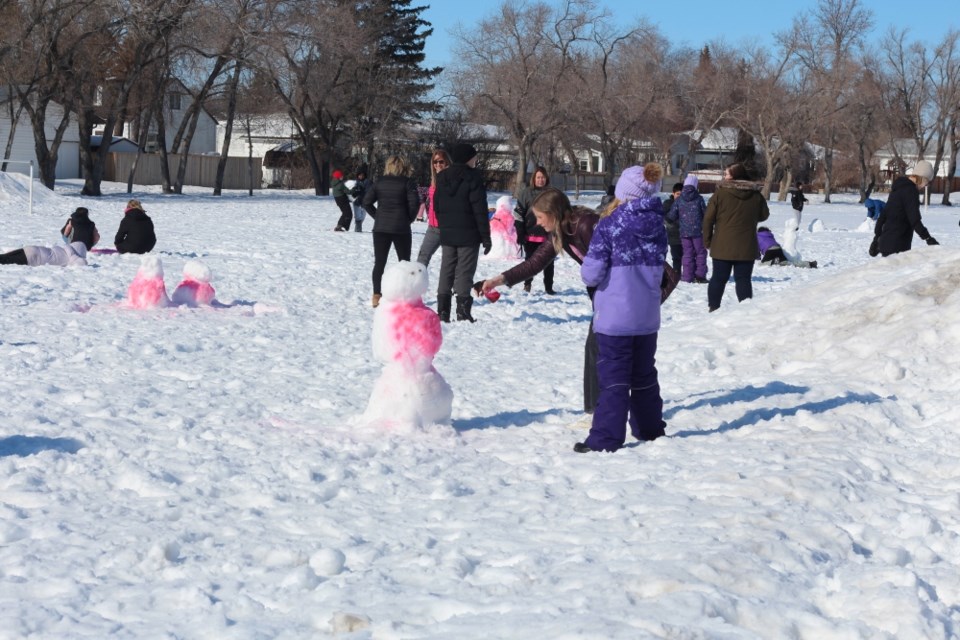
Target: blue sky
695 22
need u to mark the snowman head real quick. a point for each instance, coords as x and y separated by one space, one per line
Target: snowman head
150 268
504 202
197 271
406 281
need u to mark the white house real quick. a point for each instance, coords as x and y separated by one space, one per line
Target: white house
175 105
906 150
715 150
23 151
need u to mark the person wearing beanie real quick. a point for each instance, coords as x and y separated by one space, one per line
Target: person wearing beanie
625 263
688 211
673 228
341 195
460 202
462 153
730 233
530 235
135 233
80 228
900 218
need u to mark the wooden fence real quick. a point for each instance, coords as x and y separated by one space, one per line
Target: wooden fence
201 170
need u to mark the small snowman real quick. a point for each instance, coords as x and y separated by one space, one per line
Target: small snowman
791 232
410 393
148 291
195 288
503 232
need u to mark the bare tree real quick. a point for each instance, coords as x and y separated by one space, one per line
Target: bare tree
825 40
515 65
309 55
706 93
48 36
626 79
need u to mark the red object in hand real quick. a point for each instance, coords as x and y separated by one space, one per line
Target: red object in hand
493 295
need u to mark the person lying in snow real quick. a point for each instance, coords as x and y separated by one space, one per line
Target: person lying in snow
70 255
771 252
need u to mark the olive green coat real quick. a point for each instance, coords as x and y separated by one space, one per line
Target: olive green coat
730 222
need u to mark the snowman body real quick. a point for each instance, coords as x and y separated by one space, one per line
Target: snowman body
148 291
195 288
410 393
503 231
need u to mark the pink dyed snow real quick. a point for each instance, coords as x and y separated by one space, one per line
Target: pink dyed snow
192 292
147 293
416 332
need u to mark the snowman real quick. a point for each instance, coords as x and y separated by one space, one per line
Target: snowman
410 393
195 288
503 232
790 238
148 291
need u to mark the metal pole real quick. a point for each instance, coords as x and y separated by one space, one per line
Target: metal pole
30 208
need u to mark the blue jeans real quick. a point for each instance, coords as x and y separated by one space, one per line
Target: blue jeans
742 272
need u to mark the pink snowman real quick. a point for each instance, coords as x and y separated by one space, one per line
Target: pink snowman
410 393
503 233
148 291
195 288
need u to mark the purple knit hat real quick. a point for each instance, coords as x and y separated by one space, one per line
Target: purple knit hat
633 184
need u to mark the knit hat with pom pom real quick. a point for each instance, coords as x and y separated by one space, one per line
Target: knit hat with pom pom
638 182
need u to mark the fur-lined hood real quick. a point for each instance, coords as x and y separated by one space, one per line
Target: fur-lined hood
740 188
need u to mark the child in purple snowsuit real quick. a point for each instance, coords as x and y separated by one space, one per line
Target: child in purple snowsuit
689 208
625 263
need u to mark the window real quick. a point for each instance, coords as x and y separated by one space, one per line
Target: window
584 165
175 101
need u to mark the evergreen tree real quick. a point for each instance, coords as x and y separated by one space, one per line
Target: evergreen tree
393 84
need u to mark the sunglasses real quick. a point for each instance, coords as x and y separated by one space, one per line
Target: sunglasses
440 162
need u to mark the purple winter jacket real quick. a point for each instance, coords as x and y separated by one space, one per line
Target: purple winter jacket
625 263
766 241
688 208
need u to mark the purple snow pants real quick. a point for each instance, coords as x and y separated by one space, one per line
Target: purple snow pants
628 387
694 259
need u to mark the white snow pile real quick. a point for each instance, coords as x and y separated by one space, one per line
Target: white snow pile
15 193
194 473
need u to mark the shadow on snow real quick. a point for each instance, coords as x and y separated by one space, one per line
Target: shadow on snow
29 445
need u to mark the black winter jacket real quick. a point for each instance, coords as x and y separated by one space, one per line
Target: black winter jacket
82 229
135 234
460 201
523 211
900 218
393 203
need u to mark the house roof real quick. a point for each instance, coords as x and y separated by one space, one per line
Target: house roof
118 143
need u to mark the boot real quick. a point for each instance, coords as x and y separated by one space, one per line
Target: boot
464 303
358 226
444 301
375 300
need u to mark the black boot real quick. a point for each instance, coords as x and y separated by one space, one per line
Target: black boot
444 302
464 303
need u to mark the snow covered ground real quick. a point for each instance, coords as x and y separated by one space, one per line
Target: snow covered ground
198 473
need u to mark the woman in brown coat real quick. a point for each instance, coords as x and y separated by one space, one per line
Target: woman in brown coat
730 233
569 230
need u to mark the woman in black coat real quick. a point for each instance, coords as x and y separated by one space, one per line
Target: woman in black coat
135 234
392 202
900 218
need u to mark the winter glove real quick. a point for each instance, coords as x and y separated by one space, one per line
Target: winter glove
932 241
874 250
487 246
